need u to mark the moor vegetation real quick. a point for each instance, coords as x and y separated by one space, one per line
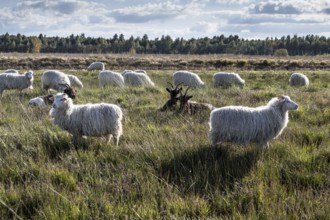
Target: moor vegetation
164 167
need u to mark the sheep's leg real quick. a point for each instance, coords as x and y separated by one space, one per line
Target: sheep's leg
265 146
116 140
109 138
75 139
214 139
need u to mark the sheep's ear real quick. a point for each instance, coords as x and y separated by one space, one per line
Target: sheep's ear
167 89
189 97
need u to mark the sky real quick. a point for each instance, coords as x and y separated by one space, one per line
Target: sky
249 19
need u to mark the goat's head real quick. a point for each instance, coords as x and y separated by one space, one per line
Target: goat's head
174 91
184 99
69 91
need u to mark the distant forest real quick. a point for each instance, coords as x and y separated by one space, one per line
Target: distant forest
292 45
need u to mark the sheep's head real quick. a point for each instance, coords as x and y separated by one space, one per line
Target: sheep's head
61 101
29 75
287 103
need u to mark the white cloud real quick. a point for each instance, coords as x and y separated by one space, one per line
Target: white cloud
177 18
147 12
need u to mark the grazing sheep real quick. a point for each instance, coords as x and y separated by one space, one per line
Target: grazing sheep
171 103
298 79
244 125
16 81
110 77
137 79
75 81
96 66
192 107
49 99
98 120
187 79
227 79
12 71
54 79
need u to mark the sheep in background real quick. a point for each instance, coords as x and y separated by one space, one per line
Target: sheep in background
98 120
298 79
54 79
137 79
16 81
192 107
244 125
187 79
96 66
227 79
110 77
12 71
49 99
140 71
75 81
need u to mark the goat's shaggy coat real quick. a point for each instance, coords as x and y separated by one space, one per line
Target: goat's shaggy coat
137 79
111 78
98 120
298 79
96 66
227 79
16 81
187 79
54 79
244 125
75 82
42 100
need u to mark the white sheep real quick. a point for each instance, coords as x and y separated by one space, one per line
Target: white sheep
16 81
74 81
298 79
240 124
137 79
110 77
227 79
98 120
13 71
54 79
96 66
187 79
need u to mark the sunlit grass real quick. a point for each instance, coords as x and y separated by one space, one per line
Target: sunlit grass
164 167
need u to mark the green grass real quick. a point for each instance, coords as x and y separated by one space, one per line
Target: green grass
164 167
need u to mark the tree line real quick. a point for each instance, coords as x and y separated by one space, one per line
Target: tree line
232 44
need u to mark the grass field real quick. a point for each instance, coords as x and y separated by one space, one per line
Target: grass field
164 167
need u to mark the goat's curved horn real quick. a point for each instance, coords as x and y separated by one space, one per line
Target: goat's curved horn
186 91
178 85
170 85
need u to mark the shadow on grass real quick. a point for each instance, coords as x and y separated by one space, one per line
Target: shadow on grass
205 169
56 145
